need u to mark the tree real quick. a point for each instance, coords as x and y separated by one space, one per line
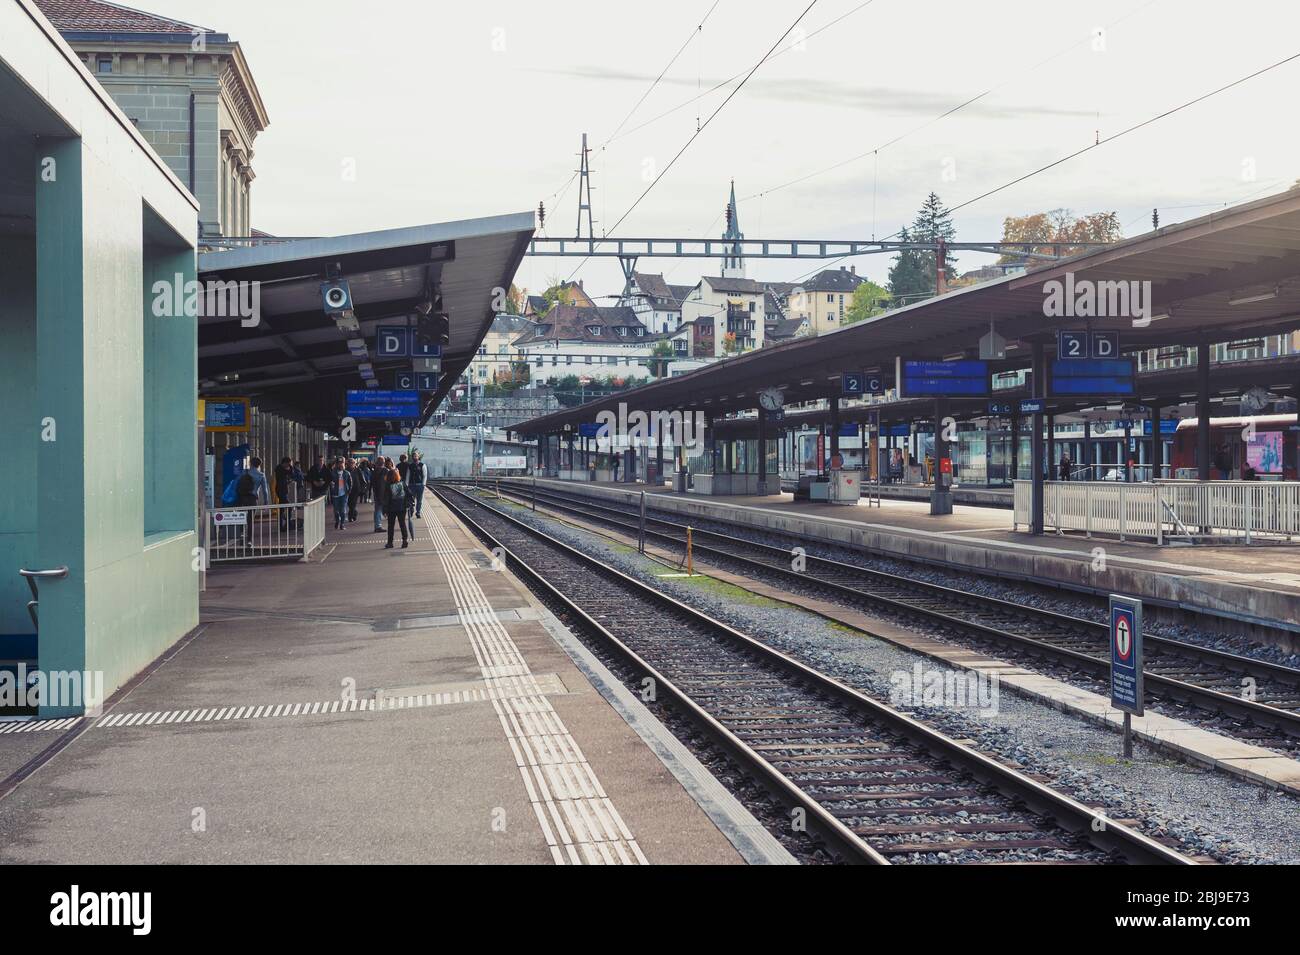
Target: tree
908 280
868 299
660 356
933 222
1058 227
729 346
515 299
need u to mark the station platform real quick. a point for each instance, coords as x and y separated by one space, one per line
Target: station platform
370 706
1244 586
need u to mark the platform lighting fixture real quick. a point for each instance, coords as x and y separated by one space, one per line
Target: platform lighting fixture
955 357
357 346
1261 297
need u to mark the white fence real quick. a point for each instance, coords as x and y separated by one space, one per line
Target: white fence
1169 510
266 531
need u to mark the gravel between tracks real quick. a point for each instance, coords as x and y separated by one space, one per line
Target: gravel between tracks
1210 813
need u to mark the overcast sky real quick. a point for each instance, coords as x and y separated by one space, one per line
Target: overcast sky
454 110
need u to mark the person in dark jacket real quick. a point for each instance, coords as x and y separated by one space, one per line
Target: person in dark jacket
1065 466
354 494
379 488
416 475
285 491
396 506
340 487
318 476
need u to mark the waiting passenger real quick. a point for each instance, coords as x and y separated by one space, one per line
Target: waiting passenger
416 475
379 487
340 487
319 477
396 507
1064 467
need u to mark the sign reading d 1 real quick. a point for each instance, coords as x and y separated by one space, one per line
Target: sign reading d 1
1126 684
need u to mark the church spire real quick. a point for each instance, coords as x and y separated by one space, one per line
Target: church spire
733 263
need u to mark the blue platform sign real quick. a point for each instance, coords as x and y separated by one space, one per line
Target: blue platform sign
426 381
1072 345
588 429
392 341
875 384
1093 377
404 380
419 350
1032 405
938 379
853 383
389 405
1000 407
400 440
1126 684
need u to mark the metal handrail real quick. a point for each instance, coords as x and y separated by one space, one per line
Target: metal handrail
31 577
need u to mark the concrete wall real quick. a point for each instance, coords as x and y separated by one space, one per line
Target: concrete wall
115 382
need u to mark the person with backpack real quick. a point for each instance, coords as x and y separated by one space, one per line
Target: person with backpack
396 506
416 475
340 487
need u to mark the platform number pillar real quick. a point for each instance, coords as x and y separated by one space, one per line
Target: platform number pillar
1036 443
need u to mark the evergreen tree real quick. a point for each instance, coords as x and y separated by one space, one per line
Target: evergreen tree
934 222
908 280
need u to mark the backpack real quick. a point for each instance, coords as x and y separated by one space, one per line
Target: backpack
396 497
246 493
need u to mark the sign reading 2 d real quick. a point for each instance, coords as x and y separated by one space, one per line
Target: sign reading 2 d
937 379
1087 344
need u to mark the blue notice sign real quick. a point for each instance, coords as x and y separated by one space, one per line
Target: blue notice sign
1093 377
397 439
1126 684
937 379
377 403
1032 405
588 429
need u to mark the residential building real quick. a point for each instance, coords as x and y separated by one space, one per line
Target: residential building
657 304
494 359
571 293
586 340
823 299
728 315
189 92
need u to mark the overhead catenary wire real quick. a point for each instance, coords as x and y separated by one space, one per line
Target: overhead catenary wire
658 178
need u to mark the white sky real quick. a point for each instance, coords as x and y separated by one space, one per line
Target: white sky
462 109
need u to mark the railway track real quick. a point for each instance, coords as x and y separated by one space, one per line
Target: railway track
867 783
1175 671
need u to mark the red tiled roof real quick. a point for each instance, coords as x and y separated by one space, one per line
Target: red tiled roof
96 16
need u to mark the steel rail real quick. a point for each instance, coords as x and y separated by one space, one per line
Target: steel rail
1069 814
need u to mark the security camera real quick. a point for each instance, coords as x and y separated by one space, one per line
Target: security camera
336 296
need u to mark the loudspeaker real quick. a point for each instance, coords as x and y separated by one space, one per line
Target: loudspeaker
336 296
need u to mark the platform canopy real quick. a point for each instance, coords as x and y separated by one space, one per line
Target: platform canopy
296 360
1221 277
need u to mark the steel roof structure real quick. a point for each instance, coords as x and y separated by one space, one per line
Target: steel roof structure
1215 278
296 359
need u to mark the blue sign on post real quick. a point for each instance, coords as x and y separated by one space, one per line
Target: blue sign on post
1032 405
852 383
392 341
1126 684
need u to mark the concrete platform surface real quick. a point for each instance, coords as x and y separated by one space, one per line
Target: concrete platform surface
368 706
1249 585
